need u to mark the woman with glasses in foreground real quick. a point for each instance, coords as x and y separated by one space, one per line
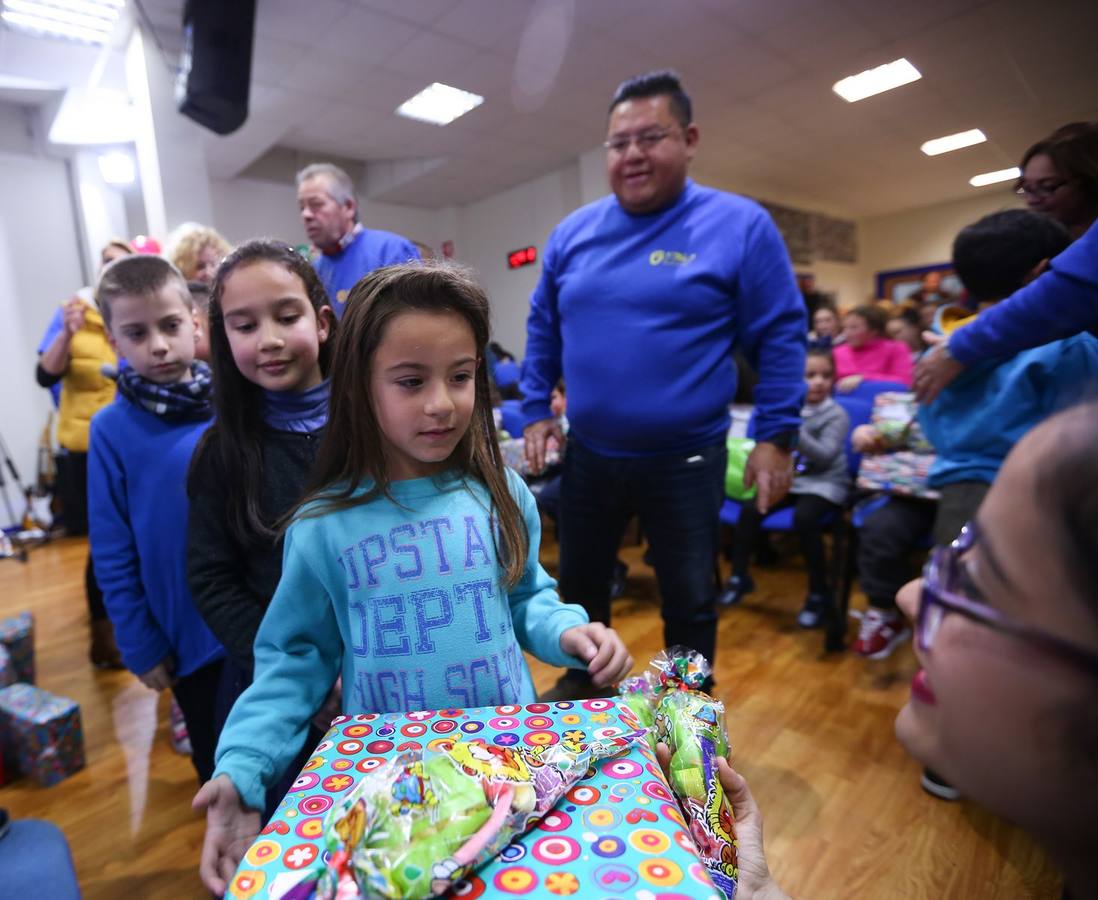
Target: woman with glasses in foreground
1005 705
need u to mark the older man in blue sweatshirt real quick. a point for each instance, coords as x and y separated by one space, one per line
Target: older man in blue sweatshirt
348 250
643 297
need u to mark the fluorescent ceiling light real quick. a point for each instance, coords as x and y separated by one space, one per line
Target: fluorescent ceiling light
953 142
875 81
995 177
90 21
116 167
439 104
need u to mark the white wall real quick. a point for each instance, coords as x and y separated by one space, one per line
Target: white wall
36 274
518 217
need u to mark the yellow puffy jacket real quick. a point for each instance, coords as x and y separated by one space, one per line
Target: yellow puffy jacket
84 388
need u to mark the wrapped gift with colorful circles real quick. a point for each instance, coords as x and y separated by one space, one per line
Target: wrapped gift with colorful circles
616 831
17 637
41 733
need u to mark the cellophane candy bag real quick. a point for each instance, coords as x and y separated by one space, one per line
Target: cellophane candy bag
692 724
423 821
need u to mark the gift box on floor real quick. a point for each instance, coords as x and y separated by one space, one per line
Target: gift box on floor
17 637
7 668
617 833
41 734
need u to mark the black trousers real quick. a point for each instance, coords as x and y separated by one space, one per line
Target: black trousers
678 498
885 545
196 695
808 511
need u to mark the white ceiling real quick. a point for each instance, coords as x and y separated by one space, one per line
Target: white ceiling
327 75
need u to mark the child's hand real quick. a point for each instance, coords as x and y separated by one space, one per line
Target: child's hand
847 384
160 676
230 830
607 660
866 439
74 314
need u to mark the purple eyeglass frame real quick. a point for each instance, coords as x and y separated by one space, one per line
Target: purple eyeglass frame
939 580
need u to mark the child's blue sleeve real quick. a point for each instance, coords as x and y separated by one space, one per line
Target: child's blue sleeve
140 639
538 613
298 654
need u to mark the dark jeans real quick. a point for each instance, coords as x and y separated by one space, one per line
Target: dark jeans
808 510
885 544
72 485
196 695
678 500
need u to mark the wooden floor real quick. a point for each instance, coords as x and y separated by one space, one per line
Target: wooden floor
845 817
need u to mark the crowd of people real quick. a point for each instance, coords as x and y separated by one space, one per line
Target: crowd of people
296 502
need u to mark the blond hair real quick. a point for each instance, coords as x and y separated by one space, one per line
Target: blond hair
189 240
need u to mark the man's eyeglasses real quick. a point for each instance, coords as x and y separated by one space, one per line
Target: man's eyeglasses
945 585
645 141
1042 190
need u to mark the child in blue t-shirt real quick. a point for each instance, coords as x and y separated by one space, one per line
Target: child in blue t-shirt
138 454
411 567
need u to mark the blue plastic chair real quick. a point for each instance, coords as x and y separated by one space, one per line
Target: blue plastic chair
35 861
506 374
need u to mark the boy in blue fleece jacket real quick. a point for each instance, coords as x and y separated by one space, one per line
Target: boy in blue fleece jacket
138 456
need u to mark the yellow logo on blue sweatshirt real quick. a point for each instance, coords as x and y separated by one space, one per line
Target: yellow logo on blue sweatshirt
670 258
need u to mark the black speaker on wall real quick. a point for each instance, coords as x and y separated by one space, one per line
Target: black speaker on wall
216 66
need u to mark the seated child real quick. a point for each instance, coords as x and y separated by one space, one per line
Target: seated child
820 488
867 354
138 456
825 328
974 422
412 564
905 326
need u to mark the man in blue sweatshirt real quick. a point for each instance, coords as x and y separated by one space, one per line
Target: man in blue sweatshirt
642 298
138 455
349 251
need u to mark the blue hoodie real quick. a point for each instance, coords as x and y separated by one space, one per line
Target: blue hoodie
982 414
641 314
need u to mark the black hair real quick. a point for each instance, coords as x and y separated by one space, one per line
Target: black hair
662 82
200 294
822 353
1073 149
993 256
238 402
908 314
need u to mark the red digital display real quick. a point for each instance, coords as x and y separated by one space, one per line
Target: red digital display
516 259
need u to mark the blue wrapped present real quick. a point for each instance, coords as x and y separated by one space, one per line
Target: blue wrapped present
17 637
41 733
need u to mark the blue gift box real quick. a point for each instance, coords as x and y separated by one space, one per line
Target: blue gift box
17 637
40 733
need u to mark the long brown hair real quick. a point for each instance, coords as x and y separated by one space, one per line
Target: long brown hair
353 450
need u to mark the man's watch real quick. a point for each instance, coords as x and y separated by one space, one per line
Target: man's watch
784 440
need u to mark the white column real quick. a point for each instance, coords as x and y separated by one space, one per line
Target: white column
171 154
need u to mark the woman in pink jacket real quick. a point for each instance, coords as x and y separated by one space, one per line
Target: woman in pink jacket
867 353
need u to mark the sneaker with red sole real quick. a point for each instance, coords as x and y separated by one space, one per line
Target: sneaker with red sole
181 740
882 631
